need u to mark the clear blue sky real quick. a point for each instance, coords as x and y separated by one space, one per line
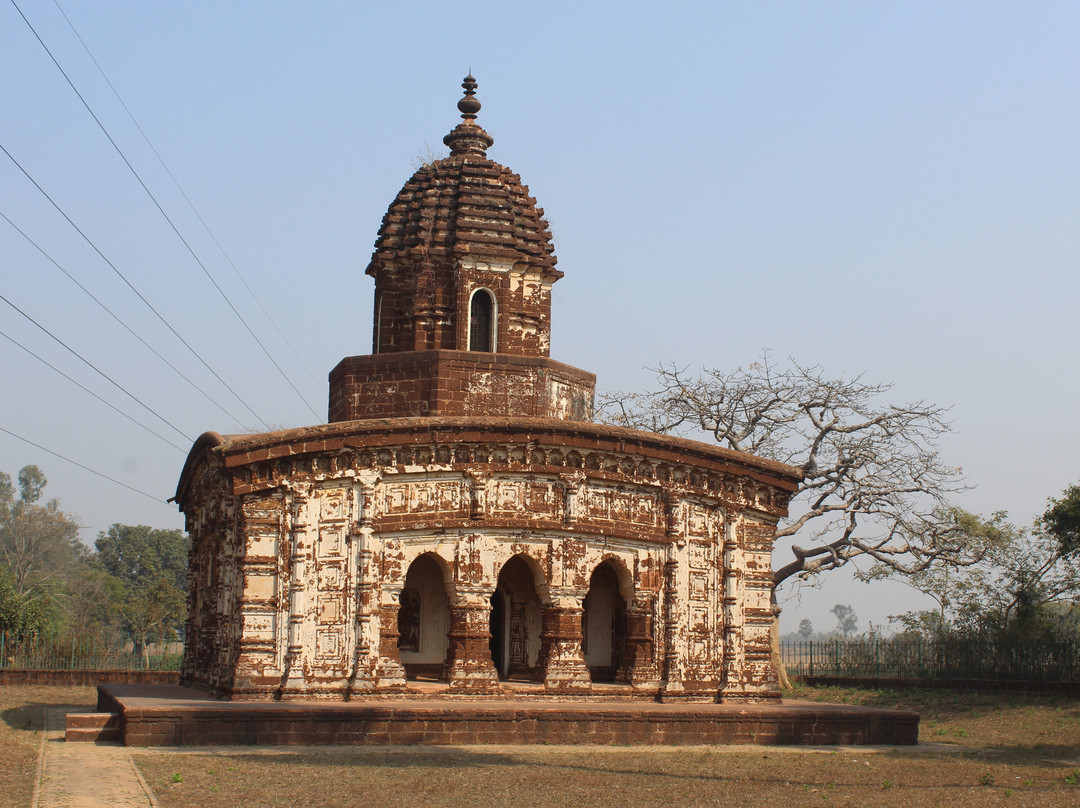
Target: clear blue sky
883 188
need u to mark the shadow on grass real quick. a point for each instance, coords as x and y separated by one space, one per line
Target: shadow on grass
31 716
678 768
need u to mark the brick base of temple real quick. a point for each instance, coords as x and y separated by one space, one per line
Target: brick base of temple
167 715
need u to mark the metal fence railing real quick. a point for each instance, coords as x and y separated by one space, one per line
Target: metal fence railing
86 653
869 658
919 658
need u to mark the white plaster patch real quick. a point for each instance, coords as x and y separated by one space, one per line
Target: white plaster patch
259 587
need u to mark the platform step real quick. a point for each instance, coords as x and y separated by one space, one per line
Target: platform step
92 727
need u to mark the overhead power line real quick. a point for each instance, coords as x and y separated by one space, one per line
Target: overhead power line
161 210
81 386
80 465
130 286
183 193
101 373
112 314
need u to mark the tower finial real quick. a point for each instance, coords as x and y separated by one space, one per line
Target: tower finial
469 105
468 137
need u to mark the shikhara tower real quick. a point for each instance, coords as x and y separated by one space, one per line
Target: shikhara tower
460 519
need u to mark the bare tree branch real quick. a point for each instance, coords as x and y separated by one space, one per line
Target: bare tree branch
875 484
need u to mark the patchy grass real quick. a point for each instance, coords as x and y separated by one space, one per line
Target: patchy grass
22 719
997 720
979 749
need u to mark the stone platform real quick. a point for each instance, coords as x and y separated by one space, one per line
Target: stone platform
169 715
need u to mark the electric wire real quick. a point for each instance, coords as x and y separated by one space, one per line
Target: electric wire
161 210
80 465
183 193
112 406
112 314
138 294
101 373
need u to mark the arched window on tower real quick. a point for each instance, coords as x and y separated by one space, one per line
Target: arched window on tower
482 321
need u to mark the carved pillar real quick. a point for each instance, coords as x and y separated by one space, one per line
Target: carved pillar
468 666
639 665
562 661
675 616
299 556
389 672
734 683
672 613
366 630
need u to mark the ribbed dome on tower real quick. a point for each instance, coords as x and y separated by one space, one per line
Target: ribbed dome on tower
463 268
459 226
465 204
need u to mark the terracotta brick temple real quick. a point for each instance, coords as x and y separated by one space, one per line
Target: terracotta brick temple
460 519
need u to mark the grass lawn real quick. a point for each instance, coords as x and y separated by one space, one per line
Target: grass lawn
976 750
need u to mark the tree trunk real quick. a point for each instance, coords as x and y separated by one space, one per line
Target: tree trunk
774 644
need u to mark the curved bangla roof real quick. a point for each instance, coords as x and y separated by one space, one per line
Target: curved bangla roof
238 450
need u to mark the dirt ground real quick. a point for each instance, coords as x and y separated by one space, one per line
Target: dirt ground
975 750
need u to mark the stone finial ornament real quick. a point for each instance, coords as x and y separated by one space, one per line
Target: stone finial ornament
470 104
467 137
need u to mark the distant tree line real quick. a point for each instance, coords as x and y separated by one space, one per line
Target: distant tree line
1024 585
131 586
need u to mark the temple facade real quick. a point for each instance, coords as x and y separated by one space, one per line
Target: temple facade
459 519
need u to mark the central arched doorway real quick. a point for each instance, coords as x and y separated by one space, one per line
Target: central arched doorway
515 621
423 619
603 625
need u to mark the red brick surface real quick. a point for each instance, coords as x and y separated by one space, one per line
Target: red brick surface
446 382
176 717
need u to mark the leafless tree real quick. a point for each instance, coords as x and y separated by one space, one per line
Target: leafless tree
874 482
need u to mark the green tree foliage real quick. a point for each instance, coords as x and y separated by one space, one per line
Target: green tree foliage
1025 585
149 568
21 616
39 544
1062 520
953 588
132 586
806 629
93 599
154 609
137 554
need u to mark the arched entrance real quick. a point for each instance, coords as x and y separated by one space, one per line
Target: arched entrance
515 621
423 619
603 625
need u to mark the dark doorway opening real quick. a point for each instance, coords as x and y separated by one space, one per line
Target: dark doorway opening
603 625
515 622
